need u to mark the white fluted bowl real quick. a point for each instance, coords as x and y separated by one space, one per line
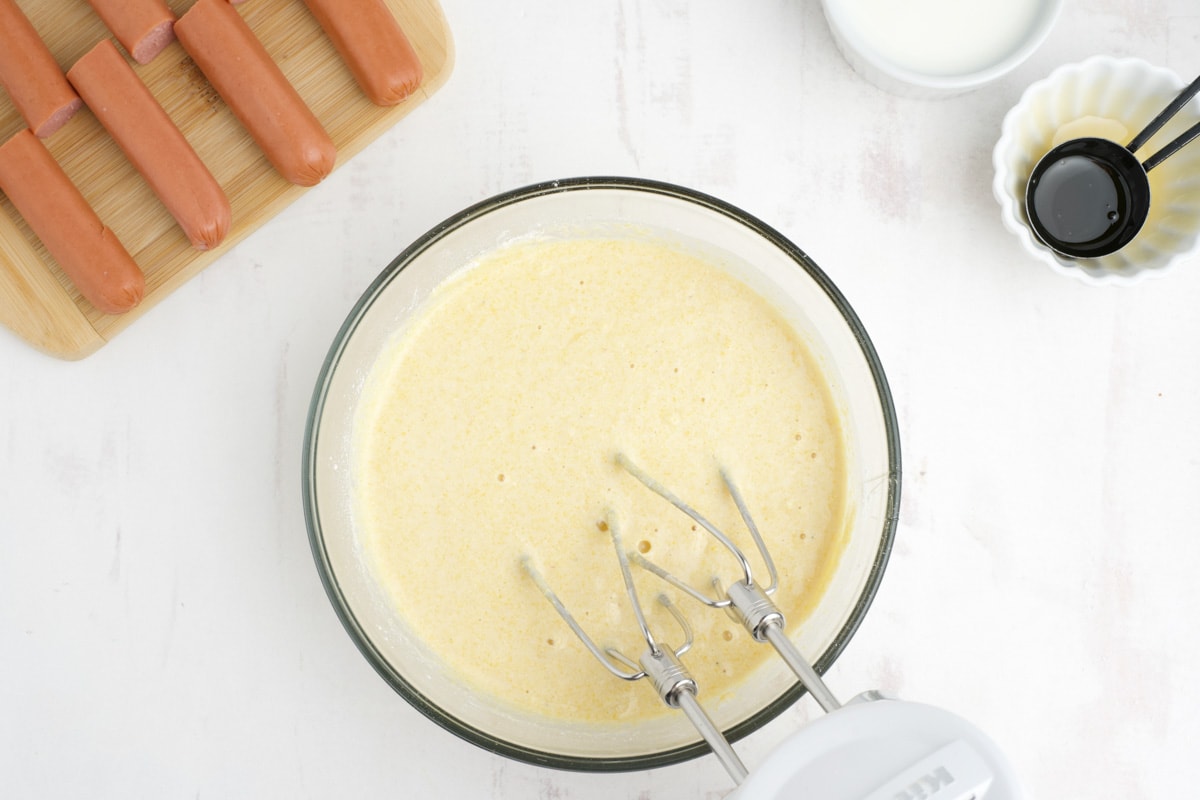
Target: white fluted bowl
1129 91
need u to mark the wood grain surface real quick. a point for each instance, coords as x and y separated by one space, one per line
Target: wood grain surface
38 302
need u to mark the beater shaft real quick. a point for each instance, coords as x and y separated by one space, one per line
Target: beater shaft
804 671
712 734
764 622
677 689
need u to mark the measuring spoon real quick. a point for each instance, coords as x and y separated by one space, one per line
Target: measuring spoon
1089 197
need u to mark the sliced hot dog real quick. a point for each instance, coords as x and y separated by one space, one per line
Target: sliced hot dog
374 47
30 74
152 143
240 69
89 253
143 27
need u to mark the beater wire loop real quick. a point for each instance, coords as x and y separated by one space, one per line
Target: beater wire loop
607 655
747 576
747 603
532 571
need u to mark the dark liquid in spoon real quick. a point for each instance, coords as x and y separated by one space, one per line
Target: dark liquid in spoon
1079 200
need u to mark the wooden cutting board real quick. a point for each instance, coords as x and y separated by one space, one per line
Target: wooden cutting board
38 302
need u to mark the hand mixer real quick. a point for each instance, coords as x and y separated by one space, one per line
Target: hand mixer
871 748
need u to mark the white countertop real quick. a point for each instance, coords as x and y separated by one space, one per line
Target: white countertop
163 632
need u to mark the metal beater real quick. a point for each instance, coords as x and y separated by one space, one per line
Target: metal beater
659 662
873 748
749 603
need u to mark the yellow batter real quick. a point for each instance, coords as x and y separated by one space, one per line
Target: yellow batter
488 431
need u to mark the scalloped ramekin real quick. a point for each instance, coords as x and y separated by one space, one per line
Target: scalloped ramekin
1131 92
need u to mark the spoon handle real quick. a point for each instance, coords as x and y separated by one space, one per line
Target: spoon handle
1171 147
1164 115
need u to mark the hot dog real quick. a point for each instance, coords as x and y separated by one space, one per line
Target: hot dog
30 74
89 253
374 47
152 143
143 27
240 69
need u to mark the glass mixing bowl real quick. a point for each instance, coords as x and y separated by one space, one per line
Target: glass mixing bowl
747 248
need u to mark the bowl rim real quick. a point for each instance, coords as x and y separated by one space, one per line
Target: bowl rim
1046 19
346 614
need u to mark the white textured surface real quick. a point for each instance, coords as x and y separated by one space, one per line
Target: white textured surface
163 632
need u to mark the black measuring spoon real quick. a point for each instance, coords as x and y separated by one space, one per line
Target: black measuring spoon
1089 197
